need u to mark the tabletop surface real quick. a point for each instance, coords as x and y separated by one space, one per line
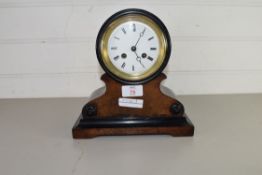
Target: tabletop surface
36 139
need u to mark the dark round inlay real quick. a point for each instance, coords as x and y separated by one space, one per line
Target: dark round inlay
123 55
144 55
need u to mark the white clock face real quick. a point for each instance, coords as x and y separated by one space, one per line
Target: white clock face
133 47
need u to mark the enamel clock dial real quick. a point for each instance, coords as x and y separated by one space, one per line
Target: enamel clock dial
133 46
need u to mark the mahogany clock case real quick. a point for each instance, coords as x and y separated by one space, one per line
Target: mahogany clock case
161 112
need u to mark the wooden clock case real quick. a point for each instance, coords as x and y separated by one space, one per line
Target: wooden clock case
162 113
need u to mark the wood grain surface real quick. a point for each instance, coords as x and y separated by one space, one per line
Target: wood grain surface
156 104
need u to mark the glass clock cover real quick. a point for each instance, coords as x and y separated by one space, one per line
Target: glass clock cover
133 46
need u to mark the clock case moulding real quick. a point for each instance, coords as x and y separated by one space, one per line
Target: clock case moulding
161 114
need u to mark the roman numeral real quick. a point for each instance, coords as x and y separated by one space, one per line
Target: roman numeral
116 57
152 48
133 68
123 30
113 48
149 39
150 58
116 38
134 27
123 65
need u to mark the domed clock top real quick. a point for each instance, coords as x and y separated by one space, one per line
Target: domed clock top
133 46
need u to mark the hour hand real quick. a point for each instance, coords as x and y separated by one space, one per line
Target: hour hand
139 60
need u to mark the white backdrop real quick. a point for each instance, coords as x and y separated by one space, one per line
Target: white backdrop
47 47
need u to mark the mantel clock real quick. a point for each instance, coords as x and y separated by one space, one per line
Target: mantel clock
133 47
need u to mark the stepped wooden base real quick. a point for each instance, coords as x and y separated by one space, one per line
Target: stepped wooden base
161 113
94 127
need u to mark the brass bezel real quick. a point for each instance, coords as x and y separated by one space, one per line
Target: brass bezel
104 47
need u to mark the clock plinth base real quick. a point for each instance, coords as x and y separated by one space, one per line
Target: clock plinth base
161 114
94 127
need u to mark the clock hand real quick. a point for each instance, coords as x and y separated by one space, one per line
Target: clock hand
138 58
140 35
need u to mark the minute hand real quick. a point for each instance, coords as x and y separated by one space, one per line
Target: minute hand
140 35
